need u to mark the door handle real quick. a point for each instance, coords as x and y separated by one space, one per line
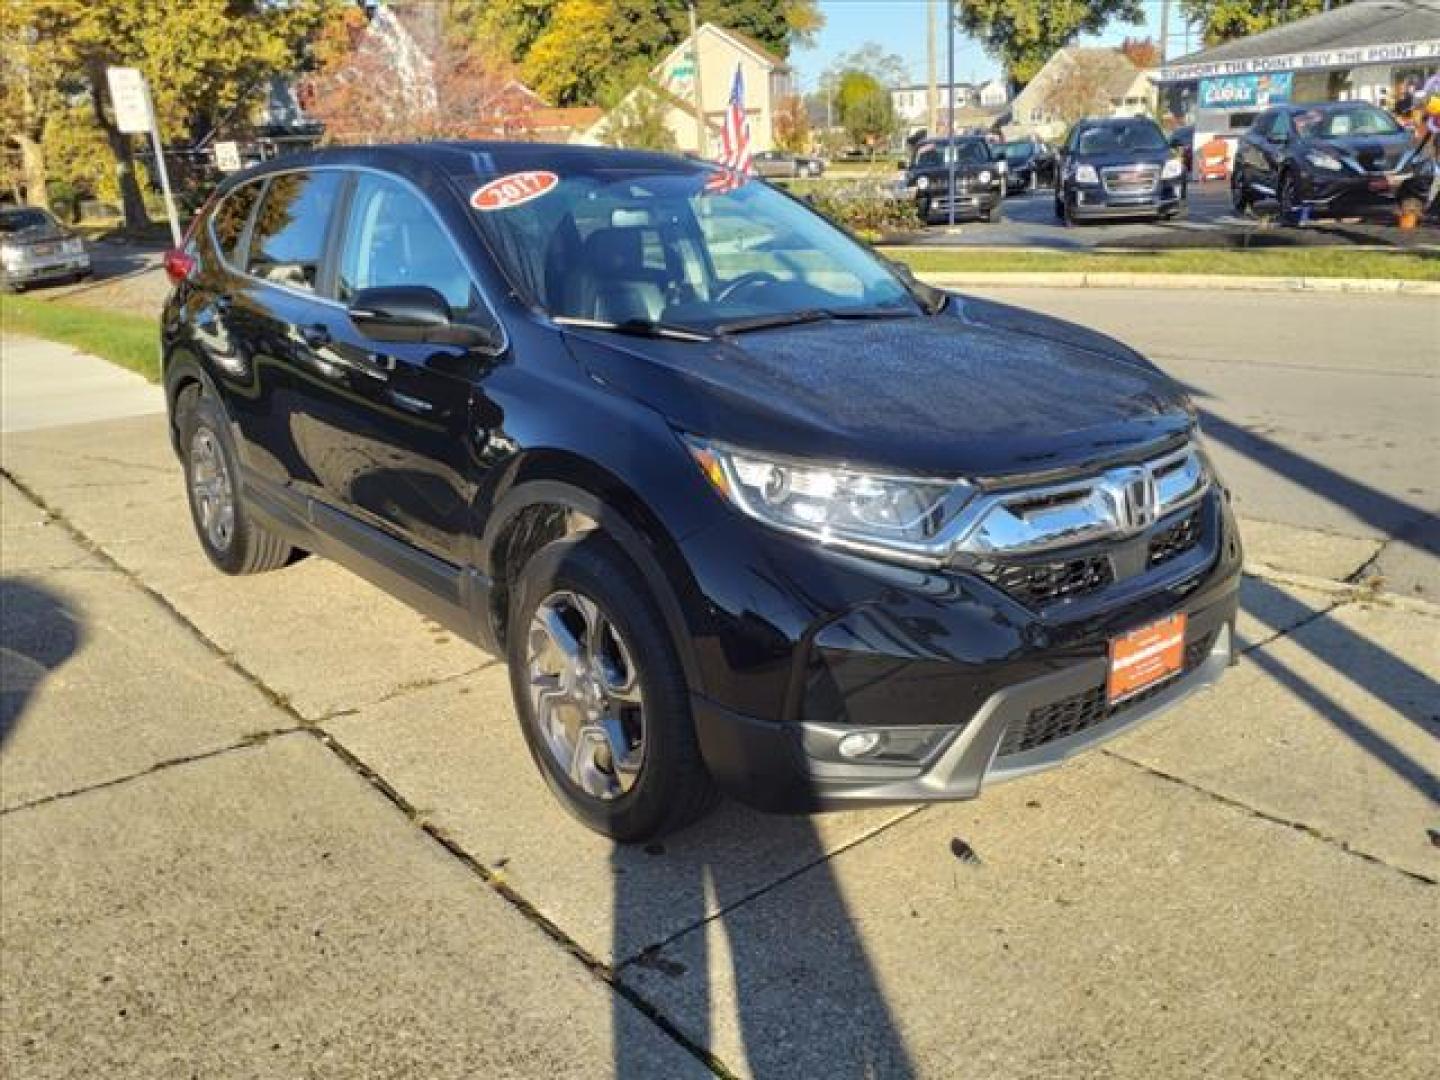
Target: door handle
316 336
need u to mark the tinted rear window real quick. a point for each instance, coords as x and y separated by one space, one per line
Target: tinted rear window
287 243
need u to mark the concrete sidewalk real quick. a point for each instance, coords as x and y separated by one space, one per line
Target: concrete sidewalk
284 826
224 791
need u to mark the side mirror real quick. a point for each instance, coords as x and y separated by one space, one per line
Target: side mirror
415 313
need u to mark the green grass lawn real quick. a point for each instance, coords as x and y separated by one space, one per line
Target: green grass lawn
132 341
1297 262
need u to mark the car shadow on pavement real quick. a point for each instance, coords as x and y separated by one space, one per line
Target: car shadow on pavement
1402 522
1406 690
39 631
723 965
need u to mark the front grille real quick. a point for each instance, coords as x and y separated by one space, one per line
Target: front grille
1174 540
1039 583
1080 712
1130 179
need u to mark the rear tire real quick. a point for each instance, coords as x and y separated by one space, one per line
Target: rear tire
232 540
672 787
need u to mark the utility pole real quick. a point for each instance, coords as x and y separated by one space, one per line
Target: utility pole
700 140
932 103
1164 31
950 13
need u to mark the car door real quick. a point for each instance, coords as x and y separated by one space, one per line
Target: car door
273 315
397 454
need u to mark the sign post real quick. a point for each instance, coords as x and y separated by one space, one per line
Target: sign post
135 115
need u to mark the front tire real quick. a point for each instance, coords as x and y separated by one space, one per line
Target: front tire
1288 196
232 540
601 694
1240 200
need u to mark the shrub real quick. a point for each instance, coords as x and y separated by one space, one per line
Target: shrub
868 209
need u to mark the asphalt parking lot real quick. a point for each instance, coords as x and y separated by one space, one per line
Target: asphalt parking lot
285 826
1029 221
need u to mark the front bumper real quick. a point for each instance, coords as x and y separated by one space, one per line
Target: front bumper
1339 194
1094 201
1004 689
47 269
936 205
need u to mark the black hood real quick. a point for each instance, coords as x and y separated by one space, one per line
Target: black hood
982 389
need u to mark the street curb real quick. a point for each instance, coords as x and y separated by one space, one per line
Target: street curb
1342 590
1188 282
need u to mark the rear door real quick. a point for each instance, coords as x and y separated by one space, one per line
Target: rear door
398 454
274 314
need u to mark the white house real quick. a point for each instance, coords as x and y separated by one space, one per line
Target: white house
1121 89
912 103
768 81
994 94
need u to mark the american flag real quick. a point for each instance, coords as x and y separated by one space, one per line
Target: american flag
735 138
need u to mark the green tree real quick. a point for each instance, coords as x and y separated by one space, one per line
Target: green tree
1223 20
866 112
638 122
202 58
578 51
1023 34
31 91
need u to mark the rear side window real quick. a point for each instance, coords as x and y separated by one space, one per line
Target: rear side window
287 243
227 223
393 238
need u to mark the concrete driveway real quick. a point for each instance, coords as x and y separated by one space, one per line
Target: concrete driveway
284 826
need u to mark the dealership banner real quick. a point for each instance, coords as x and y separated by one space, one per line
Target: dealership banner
1246 91
1400 52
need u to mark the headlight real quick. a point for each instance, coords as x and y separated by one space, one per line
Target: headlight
1086 174
1324 161
1172 170
1002 168
886 515
73 246
9 253
984 176
922 182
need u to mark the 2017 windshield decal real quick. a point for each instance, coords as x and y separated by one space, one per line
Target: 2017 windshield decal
514 190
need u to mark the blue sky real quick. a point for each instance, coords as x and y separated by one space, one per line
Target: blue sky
899 26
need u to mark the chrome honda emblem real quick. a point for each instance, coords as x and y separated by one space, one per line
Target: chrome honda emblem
1132 495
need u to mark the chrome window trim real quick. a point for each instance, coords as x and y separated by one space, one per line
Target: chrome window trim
331 302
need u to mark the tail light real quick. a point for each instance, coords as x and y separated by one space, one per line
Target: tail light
179 265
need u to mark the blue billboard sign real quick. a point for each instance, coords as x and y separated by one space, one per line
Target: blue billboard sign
1246 91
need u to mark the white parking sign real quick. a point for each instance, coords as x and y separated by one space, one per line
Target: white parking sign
227 156
131 102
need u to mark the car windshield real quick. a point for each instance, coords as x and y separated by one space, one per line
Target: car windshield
970 152
1343 123
1119 138
684 248
13 221
1019 151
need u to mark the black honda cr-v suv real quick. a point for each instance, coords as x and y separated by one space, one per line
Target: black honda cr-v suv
746 507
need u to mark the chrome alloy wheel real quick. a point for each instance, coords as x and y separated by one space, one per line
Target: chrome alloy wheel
585 697
212 490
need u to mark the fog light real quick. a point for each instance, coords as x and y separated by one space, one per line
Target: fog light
860 744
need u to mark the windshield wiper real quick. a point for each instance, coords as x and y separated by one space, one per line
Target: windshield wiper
765 322
638 327
810 315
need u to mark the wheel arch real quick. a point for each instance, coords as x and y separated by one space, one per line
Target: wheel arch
552 494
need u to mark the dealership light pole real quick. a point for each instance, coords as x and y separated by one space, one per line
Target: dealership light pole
950 15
